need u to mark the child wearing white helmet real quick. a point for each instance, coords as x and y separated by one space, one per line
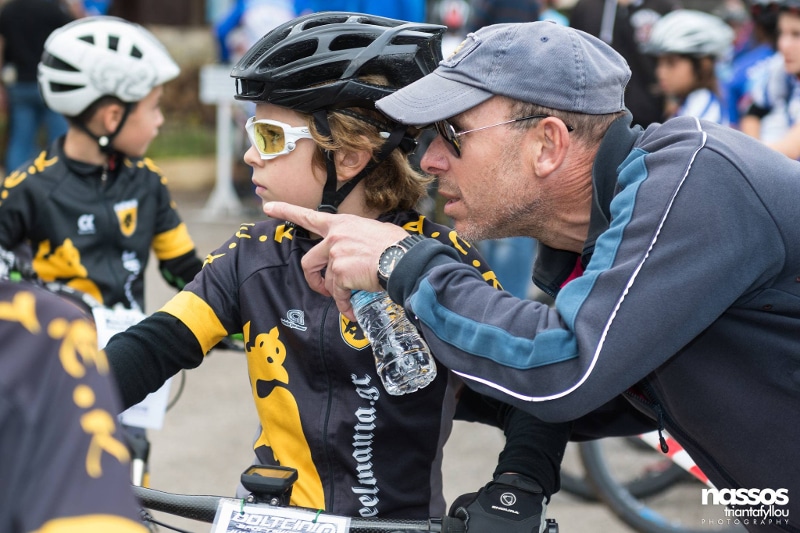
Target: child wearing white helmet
688 45
91 205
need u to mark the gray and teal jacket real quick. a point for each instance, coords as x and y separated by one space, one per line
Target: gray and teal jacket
688 305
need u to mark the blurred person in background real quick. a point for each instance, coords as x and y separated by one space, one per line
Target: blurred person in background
688 45
63 463
486 12
626 26
410 10
246 22
24 27
87 8
775 93
745 66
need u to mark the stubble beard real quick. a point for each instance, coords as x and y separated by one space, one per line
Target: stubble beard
510 207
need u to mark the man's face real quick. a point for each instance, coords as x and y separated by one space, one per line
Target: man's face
488 190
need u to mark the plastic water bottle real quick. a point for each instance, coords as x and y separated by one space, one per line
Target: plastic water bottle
402 357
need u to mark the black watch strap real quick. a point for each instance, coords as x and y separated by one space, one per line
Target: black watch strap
405 244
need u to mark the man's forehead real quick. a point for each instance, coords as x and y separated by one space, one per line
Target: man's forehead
494 107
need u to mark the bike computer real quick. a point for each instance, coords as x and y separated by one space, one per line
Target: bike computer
268 481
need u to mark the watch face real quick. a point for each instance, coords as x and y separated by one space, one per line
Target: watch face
389 260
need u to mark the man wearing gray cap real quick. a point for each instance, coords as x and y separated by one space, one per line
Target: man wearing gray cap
658 323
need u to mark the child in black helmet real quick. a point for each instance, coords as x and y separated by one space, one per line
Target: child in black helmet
318 141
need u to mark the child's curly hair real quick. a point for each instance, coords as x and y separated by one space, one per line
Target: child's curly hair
393 184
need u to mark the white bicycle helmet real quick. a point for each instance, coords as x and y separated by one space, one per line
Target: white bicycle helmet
689 32
101 56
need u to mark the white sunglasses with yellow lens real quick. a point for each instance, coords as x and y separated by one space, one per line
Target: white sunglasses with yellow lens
272 138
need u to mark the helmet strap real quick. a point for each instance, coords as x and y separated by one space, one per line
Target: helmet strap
332 195
104 142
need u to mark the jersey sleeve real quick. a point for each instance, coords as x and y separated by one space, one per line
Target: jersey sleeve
17 209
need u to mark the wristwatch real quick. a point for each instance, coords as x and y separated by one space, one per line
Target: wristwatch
392 255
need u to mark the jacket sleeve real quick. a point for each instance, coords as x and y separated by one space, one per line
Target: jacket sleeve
652 285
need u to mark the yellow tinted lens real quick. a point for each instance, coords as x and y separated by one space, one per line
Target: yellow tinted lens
269 138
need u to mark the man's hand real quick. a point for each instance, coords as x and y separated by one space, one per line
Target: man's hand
347 257
511 504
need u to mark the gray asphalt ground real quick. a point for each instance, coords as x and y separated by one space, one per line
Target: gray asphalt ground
205 442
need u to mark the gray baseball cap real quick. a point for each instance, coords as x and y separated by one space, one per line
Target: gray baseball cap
536 62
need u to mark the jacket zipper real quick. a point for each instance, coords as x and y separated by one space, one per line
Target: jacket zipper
646 397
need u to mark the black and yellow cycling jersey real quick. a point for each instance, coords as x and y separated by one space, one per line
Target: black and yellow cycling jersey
63 462
320 403
92 227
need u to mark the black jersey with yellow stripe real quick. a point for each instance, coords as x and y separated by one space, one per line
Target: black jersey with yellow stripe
321 405
92 227
63 462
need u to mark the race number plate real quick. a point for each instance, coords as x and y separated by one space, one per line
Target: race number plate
234 516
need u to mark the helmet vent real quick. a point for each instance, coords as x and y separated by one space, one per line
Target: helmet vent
290 54
324 20
348 42
53 62
63 88
113 42
400 40
135 52
87 38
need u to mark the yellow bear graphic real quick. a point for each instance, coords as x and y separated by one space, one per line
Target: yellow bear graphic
64 263
280 417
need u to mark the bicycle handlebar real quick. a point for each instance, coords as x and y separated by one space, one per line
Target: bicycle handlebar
204 508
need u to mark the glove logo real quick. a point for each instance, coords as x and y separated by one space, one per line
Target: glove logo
508 499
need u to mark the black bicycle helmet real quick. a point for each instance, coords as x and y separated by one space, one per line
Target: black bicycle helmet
314 64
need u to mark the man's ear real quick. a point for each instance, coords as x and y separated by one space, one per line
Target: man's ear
351 162
553 143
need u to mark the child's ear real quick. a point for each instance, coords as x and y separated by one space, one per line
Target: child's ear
111 116
350 162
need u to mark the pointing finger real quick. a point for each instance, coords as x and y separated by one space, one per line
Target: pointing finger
313 221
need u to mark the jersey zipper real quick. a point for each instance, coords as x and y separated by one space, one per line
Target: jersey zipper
325 446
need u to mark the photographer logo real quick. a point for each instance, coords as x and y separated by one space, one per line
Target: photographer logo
748 506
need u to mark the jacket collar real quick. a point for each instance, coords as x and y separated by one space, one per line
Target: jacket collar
553 267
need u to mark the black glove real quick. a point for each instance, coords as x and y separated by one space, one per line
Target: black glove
511 503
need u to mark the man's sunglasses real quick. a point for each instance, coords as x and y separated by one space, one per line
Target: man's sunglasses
449 133
272 138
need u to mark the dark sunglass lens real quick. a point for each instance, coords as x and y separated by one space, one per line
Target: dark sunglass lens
446 130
